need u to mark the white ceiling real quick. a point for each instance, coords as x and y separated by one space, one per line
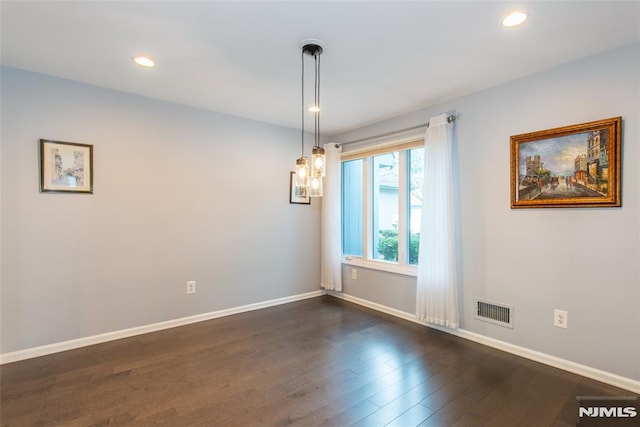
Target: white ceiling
242 58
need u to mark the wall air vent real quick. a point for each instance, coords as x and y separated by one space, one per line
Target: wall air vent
500 314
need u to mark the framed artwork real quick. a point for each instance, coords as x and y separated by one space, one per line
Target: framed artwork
66 167
298 195
567 167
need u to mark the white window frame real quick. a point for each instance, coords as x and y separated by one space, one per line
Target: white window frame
366 154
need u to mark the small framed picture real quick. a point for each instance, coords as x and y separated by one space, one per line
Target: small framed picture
66 167
568 167
297 194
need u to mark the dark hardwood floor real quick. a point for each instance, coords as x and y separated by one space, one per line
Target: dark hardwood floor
321 361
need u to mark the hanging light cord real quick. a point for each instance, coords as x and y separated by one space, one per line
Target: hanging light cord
302 104
317 100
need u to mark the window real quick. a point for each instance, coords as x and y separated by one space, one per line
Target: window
385 209
415 180
352 215
382 206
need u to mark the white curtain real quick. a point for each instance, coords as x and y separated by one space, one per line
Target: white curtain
437 284
331 222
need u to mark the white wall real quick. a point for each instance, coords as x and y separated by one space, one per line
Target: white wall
585 261
176 199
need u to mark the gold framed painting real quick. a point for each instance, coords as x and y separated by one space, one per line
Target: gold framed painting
66 167
572 166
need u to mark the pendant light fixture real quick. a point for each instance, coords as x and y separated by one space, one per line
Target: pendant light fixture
309 174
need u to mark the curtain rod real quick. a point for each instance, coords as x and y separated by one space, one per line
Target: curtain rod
450 119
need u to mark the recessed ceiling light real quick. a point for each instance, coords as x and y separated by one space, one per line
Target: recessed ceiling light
514 19
144 61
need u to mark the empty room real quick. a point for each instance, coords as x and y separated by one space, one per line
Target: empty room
319 213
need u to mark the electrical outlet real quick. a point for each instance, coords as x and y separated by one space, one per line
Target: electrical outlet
191 287
560 318
354 273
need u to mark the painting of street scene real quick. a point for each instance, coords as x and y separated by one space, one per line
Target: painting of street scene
68 167
572 167
65 166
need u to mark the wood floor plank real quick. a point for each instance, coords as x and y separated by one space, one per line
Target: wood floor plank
317 362
352 415
412 417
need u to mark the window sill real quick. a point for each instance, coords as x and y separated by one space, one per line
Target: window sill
405 270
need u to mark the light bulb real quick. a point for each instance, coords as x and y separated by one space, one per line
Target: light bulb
302 171
315 186
302 167
318 162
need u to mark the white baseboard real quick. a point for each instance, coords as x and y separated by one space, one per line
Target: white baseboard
139 330
556 362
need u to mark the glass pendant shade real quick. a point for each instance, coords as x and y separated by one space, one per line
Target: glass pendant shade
315 185
318 161
302 172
